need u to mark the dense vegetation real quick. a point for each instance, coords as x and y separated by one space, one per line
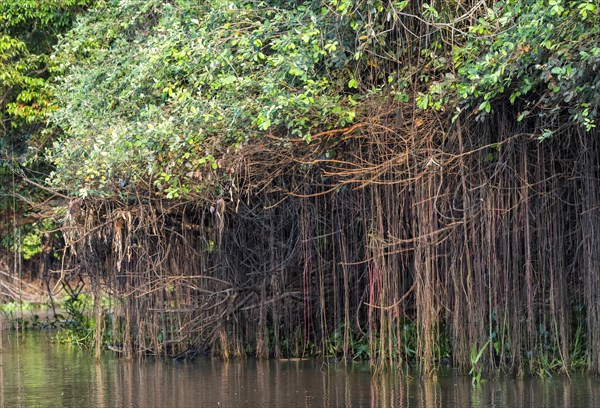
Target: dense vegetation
28 31
399 181
185 83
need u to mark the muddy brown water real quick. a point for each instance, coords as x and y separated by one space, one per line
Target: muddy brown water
34 372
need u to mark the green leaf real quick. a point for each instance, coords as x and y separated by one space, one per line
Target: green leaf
522 115
401 5
422 101
265 124
485 106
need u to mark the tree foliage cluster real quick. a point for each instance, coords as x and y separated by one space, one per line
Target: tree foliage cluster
544 54
155 92
28 31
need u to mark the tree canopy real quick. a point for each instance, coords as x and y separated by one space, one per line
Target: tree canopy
28 31
156 91
543 53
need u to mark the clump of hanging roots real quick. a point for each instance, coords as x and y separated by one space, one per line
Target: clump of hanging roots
393 240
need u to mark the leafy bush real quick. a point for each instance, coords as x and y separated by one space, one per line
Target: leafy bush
157 90
29 29
543 54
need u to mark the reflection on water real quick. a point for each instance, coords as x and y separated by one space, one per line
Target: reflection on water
34 372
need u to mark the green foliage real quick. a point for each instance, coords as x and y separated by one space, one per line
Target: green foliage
152 90
79 328
31 245
543 54
16 306
157 92
476 371
32 242
14 314
357 344
30 239
578 351
29 29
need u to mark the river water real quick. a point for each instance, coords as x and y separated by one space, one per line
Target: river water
34 372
